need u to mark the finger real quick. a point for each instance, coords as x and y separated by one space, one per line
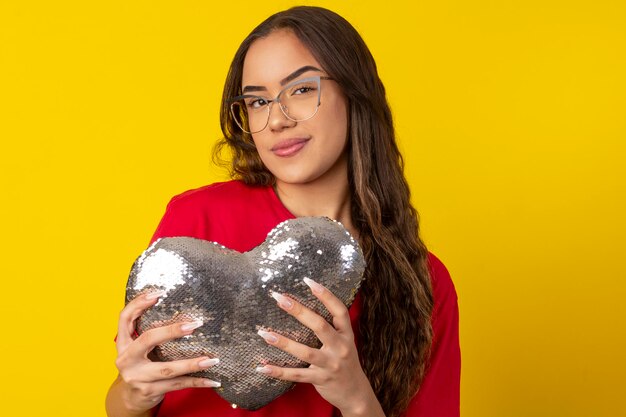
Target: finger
322 329
168 370
299 350
130 313
149 339
290 374
182 382
336 307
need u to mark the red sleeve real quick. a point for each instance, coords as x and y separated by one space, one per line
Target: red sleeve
439 393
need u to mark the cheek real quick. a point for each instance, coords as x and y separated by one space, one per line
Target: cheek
259 142
336 120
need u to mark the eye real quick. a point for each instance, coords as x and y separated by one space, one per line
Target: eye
256 103
302 90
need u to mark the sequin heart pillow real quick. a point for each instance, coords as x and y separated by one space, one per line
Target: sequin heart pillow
230 292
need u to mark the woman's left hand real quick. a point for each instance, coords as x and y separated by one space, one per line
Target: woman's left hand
335 371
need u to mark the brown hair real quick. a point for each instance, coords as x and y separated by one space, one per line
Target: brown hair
395 326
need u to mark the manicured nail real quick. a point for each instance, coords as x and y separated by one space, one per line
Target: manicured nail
263 369
190 326
282 300
270 338
155 294
213 384
314 286
208 362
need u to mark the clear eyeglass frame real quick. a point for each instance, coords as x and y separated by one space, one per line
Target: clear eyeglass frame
233 102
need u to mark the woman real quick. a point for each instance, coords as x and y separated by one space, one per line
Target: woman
306 118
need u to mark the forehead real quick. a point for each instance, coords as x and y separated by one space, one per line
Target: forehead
272 58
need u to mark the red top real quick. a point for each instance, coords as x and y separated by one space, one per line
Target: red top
240 217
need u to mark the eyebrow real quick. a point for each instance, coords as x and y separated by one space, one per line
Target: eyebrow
285 80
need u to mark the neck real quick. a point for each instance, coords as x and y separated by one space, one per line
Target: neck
328 197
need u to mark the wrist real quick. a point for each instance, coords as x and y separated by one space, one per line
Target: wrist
119 402
143 408
133 410
364 405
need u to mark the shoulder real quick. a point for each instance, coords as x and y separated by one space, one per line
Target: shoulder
216 194
207 211
221 199
440 276
444 291
235 214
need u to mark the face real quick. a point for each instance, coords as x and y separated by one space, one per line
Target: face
304 151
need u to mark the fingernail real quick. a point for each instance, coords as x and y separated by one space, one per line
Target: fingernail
190 326
208 362
270 338
314 286
282 300
263 369
213 384
155 294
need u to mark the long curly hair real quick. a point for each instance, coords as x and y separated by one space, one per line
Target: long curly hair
395 327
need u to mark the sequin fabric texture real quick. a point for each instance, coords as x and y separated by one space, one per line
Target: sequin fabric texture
231 293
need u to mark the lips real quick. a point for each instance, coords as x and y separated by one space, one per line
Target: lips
289 147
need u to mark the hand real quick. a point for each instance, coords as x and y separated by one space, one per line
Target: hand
147 381
335 370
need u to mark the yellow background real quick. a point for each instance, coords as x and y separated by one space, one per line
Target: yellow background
512 119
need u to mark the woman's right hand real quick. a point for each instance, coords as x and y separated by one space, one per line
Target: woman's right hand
146 382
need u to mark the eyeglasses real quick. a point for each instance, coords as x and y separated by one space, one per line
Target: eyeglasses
299 101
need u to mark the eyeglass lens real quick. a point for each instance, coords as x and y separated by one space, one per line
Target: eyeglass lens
298 102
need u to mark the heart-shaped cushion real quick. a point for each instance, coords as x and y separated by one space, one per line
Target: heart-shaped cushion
231 293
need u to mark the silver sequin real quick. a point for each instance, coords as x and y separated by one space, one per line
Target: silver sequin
231 293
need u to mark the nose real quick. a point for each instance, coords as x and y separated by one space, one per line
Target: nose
278 121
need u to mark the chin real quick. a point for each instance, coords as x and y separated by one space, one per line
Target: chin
294 177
